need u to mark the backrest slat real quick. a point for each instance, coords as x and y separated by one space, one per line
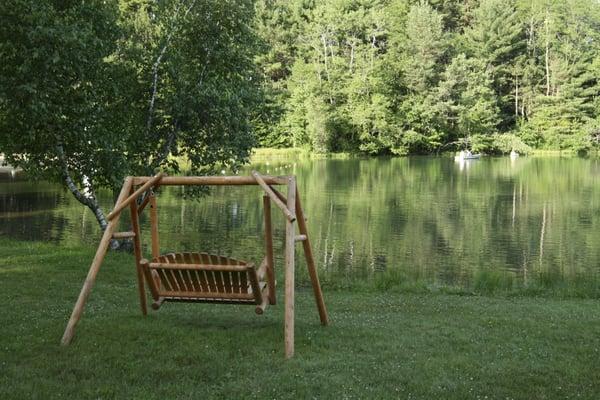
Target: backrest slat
210 276
203 280
184 273
227 276
217 274
164 281
192 274
176 273
168 278
243 283
235 283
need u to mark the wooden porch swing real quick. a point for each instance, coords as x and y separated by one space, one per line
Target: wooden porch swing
202 277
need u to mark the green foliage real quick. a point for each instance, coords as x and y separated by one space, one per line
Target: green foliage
58 88
423 47
92 91
402 77
496 36
466 98
504 143
198 78
561 111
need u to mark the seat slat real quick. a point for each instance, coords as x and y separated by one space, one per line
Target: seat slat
209 300
247 296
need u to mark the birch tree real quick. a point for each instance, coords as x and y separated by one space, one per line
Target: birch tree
93 91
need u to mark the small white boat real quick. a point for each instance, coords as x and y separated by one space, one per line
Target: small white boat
466 155
513 155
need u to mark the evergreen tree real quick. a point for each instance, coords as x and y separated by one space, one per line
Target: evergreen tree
566 38
419 59
496 36
467 100
278 24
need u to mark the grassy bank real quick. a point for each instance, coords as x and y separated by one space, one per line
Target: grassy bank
380 344
484 282
266 153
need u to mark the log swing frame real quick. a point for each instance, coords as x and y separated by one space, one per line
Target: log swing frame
291 207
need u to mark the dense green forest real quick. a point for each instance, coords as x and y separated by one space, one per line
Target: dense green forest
398 76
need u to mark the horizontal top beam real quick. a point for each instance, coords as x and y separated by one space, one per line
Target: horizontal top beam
212 180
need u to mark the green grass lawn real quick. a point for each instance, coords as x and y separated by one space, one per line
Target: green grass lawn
379 345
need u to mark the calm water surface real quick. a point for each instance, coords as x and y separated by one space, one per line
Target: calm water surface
425 218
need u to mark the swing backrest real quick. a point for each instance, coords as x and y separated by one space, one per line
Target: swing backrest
202 277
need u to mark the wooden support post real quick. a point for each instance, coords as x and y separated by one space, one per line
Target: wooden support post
269 249
310 262
290 239
137 250
150 279
154 226
94 268
154 236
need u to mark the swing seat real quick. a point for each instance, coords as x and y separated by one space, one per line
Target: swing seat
206 278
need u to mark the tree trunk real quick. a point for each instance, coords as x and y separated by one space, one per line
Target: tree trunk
351 54
516 96
547 56
87 198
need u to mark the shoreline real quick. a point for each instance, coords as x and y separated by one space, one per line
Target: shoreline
262 153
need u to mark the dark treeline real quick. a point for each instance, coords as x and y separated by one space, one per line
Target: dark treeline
400 76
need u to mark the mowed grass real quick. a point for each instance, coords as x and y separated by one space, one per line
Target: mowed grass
380 344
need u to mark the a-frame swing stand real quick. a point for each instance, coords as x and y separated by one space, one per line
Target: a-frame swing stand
199 277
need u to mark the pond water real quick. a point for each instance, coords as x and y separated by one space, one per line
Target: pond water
427 219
